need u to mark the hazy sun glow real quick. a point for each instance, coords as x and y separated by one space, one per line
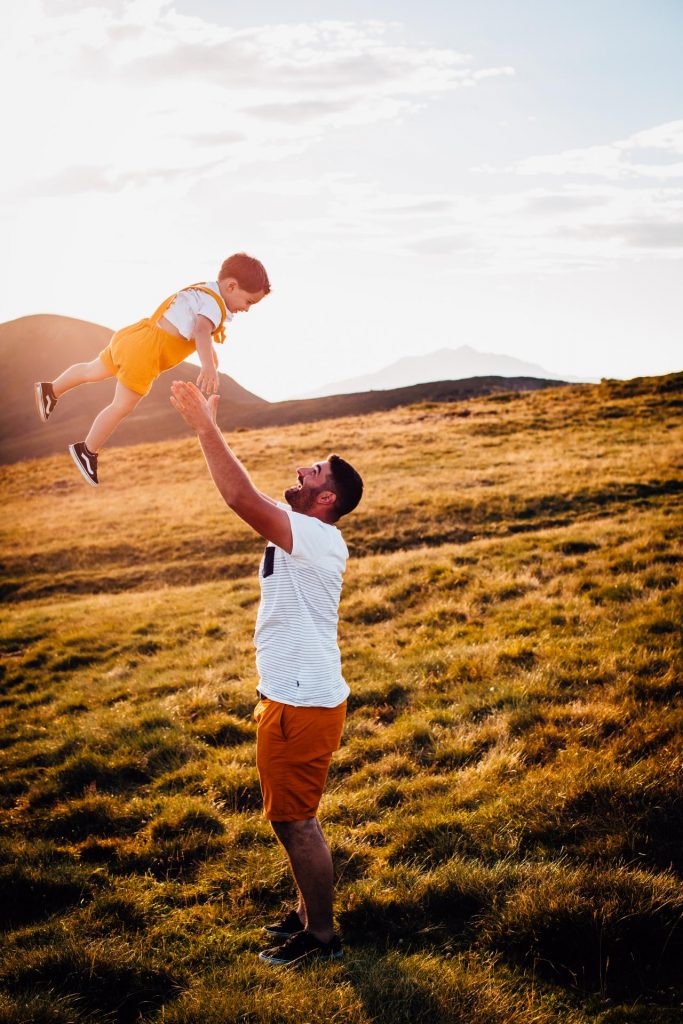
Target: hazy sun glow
410 181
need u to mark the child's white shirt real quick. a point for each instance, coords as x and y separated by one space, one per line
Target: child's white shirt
191 303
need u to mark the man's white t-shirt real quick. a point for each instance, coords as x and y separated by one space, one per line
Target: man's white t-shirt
189 304
297 653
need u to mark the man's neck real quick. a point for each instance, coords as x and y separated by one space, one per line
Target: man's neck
321 515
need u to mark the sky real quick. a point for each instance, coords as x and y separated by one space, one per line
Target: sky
506 174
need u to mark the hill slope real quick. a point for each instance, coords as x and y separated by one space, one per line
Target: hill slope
506 809
38 347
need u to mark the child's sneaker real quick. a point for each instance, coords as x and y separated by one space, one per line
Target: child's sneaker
85 460
45 400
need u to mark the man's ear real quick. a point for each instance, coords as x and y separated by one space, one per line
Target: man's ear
327 497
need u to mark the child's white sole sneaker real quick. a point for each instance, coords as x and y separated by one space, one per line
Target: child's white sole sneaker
86 462
45 401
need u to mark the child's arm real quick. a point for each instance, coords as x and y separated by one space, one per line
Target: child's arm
207 380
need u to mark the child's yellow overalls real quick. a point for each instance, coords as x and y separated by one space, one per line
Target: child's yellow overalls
136 355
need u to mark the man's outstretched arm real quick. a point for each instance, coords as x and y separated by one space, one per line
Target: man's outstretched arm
229 475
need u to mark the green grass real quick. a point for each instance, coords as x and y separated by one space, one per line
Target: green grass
506 810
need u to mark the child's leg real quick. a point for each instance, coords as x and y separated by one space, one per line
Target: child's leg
80 373
108 420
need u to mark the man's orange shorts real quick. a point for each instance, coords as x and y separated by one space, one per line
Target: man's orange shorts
294 747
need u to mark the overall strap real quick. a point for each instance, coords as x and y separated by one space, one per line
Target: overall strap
162 308
218 334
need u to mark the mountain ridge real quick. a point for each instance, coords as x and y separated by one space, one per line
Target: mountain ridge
442 364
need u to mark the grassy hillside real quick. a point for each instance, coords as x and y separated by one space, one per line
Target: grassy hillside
506 811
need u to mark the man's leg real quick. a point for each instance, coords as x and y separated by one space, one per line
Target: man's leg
311 863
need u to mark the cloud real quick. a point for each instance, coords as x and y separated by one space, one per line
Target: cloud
632 209
533 230
653 153
478 76
646 235
219 138
297 110
656 236
562 202
429 206
120 86
441 245
157 107
80 180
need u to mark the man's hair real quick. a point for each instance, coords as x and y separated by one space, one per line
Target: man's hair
348 485
249 273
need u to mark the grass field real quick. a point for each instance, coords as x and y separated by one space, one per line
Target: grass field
506 812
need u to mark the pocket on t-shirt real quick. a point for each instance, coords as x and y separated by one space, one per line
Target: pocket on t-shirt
268 561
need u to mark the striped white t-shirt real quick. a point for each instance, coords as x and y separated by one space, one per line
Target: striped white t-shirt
297 653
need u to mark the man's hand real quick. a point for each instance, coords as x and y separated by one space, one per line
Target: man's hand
197 411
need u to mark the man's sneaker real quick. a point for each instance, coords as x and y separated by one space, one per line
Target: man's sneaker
302 948
45 400
85 460
289 925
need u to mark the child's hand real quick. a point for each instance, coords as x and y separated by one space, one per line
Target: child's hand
207 381
188 400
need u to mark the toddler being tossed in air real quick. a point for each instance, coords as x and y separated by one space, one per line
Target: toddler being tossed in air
186 322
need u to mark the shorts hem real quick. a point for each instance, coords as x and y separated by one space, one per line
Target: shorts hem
139 389
285 819
105 357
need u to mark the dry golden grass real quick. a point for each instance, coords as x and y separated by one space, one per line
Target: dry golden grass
506 810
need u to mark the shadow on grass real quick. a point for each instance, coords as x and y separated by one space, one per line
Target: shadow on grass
647 824
107 980
32 892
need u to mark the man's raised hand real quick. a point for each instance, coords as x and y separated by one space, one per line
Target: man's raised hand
187 399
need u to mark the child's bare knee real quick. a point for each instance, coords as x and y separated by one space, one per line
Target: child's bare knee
125 400
95 370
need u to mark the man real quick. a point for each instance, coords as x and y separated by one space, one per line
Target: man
302 706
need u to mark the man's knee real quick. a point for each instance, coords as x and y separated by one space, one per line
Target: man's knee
295 831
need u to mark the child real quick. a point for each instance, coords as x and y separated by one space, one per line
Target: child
136 355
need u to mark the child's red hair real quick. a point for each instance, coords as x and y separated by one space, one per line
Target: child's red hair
249 273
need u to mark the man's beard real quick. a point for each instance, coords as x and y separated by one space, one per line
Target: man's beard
299 499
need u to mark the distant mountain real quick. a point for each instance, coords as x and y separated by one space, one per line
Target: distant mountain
39 347
445 364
